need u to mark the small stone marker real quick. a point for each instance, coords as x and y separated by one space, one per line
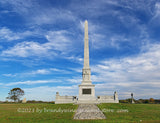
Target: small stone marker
132 101
24 100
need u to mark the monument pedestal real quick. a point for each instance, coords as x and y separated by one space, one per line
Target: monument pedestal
86 93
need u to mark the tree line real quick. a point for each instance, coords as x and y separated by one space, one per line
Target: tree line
16 93
139 101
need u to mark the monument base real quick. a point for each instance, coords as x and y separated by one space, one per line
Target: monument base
86 93
86 99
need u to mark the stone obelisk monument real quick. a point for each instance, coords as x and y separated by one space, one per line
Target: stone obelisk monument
86 89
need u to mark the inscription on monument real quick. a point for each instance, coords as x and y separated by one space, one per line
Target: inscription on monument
86 91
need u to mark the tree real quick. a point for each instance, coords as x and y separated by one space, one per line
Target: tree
151 100
15 94
146 101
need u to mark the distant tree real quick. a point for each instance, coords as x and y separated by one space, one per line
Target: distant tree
15 94
151 100
127 100
146 101
157 101
140 101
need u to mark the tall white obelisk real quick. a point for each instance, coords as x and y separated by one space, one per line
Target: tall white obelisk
86 89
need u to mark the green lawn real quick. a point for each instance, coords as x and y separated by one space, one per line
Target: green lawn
26 113
131 112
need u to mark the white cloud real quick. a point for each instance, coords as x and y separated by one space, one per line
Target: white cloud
75 80
76 59
78 70
130 74
38 14
57 41
32 82
45 71
6 33
9 75
48 93
52 15
57 70
38 72
157 10
26 49
143 67
155 15
124 89
19 6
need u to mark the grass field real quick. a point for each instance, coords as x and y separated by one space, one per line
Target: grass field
131 112
43 112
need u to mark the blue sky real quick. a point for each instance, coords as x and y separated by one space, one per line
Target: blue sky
41 47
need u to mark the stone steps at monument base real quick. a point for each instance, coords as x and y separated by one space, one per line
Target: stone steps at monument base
88 111
87 102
